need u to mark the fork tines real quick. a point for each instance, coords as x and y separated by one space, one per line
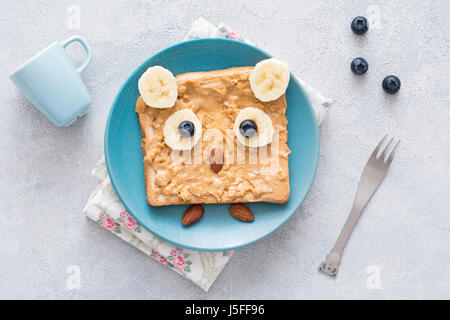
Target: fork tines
386 149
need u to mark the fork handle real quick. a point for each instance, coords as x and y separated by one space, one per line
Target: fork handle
347 230
333 259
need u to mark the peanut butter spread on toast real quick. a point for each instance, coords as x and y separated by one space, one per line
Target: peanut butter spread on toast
216 98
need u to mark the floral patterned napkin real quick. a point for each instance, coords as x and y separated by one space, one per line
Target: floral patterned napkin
105 208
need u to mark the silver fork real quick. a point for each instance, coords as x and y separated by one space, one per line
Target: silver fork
371 178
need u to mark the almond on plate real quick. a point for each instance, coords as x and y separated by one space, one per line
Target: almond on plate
192 214
241 212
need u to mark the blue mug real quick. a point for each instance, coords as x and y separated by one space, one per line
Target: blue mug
53 84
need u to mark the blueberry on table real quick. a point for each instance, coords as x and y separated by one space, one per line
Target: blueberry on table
186 129
359 25
391 84
359 66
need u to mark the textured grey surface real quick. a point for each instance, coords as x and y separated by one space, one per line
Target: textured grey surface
404 232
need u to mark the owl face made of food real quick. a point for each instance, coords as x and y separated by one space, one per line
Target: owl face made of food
215 137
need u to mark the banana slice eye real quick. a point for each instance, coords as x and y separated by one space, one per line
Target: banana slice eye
182 130
253 128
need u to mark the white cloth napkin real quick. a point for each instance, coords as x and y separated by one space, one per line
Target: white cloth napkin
105 208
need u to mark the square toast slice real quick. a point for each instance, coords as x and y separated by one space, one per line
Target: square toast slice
247 175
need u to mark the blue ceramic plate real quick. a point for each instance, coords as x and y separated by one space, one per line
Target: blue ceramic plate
217 230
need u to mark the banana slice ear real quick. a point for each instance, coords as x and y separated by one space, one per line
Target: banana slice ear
158 87
269 79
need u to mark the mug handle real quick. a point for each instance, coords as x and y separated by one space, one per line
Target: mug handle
86 48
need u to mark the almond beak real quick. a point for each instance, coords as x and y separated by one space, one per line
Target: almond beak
216 159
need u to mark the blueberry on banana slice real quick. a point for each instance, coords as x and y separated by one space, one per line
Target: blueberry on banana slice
186 129
248 128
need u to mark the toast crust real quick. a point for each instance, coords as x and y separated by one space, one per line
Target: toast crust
216 97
